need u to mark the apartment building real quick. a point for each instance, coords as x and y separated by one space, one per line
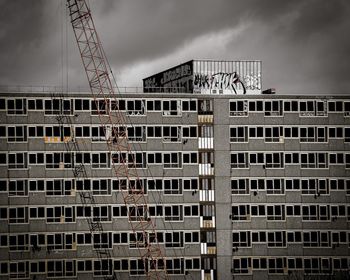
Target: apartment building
240 186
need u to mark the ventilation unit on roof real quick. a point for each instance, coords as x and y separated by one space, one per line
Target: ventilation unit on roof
269 91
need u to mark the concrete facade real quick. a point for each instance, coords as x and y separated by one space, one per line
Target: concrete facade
240 186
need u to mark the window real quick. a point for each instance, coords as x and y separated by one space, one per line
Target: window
291 132
309 212
172 186
276 265
256 158
35 104
347 133
154 105
171 108
239 186
135 107
309 186
307 134
37 212
36 158
19 269
291 106
17 160
335 132
137 267
82 131
189 132
274 186
98 133
173 213
192 237
336 158
275 212
307 108
274 160
239 134
274 134
101 187
239 108
172 160
59 187
99 106
335 106
59 160
276 239
273 108
241 266
174 239
256 132
258 210
36 185
311 265
190 210
240 213
102 240
259 263
294 237
175 266
18 215
256 106
18 242
136 133
293 210
36 131
241 239
321 108
291 158
239 160
189 158
100 160
17 133
81 104
16 106
18 188
189 105
190 184
101 213
171 133
154 158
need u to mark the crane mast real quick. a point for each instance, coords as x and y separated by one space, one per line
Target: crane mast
113 122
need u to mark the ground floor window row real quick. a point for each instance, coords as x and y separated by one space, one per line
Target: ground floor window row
305 108
283 239
64 160
98 213
289 265
277 185
96 133
52 241
311 134
71 267
308 160
279 212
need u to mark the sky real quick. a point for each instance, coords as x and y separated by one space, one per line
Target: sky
304 45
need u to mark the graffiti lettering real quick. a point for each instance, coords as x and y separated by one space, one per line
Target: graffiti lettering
220 81
179 72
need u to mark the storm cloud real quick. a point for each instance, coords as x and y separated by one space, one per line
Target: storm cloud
304 44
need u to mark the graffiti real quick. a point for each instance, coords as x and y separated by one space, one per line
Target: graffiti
220 81
252 82
177 73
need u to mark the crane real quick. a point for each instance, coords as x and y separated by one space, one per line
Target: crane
100 78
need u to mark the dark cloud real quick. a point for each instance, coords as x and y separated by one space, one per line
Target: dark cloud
303 43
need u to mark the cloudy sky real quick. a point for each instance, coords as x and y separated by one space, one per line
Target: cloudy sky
304 44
